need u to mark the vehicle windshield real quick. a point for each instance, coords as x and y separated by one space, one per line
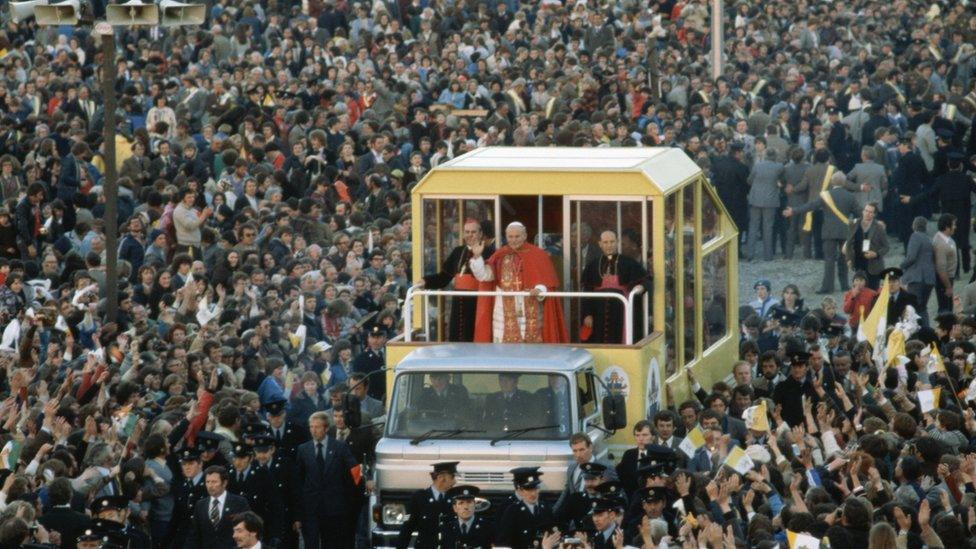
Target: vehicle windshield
491 405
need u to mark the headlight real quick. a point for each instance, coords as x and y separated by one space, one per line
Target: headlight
394 514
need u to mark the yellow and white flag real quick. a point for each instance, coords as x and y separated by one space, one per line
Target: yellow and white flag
873 327
929 399
739 461
755 417
297 339
936 364
895 348
692 442
799 540
971 392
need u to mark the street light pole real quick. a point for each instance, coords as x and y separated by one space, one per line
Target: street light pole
110 187
718 38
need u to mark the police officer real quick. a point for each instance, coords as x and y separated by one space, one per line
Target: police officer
110 514
257 486
188 488
209 445
286 434
89 539
653 475
279 468
605 513
427 506
574 513
464 529
526 522
654 505
373 359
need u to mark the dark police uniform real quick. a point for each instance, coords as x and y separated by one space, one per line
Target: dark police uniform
133 537
279 469
289 435
599 540
257 486
574 514
455 534
521 526
186 492
370 361
208 442
632 525
426 511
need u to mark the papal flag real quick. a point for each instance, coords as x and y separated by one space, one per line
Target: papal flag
739 461
692 442
928 399
971 391
872 327
936 364
755 417
799 540
895 347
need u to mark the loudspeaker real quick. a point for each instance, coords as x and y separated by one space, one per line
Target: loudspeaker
24 10
132 13
177 13
59 13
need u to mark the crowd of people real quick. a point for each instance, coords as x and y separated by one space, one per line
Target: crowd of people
265 161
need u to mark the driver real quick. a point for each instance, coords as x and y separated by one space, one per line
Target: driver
554 403
508 408
443 397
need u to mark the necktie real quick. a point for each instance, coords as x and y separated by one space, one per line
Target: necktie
215 511
240 478
278 438
464 529
319 458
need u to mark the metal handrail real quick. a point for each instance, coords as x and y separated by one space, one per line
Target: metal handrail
417 291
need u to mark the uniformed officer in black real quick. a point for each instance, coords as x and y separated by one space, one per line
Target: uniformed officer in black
464 529
523 524
373 359
605 528
574 513
427 506
89 539
653 475
653 503
209 445
287 435
257 486
188 488
110 515
279 468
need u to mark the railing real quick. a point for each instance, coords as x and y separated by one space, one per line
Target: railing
417 291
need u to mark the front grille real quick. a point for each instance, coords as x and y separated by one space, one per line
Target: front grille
484 477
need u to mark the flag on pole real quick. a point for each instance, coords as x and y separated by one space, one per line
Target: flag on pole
692 442
798 540
755 417
895 348
739 461
872 328
935 364
929 399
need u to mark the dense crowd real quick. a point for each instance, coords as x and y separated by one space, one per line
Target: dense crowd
265 161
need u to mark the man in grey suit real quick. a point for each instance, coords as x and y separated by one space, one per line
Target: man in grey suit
867 180
919 267
582 448
765 180
835 229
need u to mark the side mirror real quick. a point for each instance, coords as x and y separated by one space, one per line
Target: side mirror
352 410
614 412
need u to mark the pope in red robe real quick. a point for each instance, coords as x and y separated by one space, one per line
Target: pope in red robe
517 266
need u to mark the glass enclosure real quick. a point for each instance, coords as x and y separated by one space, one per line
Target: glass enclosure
484 405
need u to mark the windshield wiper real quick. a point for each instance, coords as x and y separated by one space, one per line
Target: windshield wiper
519 432
441 433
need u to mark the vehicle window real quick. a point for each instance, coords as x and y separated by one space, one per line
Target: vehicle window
587 394
493 404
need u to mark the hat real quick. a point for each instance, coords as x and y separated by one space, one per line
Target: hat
396 173
653 470
207 441
376 331
464 492
262 442
799 357
251 430
114 503
945 133
610 489
593 469
784 317
833 111
602 505
955 156
893 273
89 535
763 282
242 449
449 467
737 146
189 454
275 407
526 477
652 494
833 330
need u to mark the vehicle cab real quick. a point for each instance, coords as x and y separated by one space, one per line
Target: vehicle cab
492 407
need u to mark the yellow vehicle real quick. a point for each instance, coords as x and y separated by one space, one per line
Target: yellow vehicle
668 217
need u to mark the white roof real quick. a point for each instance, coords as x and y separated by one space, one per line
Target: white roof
666 167
495 357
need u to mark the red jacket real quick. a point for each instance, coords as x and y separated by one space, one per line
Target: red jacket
856 306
